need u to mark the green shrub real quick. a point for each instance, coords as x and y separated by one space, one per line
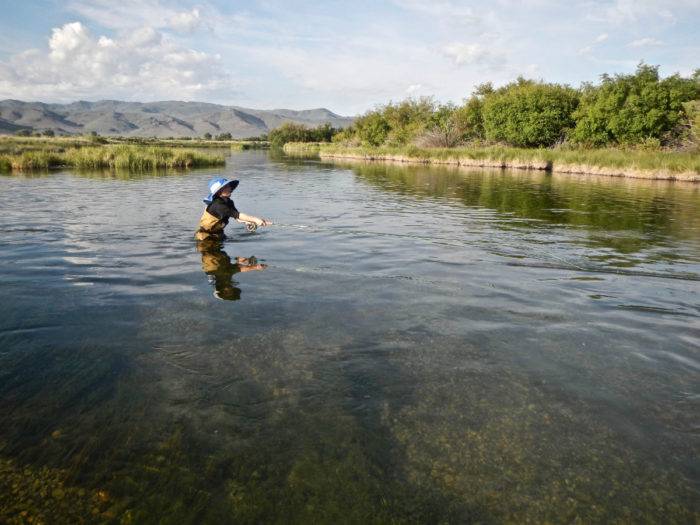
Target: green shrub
629 109
410 118
292 132
469 118
372 128
529 114
692 109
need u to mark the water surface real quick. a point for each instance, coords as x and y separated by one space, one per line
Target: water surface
418 344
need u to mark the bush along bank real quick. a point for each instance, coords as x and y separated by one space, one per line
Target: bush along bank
660 165
639 109
631 125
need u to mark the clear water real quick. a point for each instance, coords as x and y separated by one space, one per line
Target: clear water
420 345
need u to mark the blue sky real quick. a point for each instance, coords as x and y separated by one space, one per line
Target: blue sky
346 56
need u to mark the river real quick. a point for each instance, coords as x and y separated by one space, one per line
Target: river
411 344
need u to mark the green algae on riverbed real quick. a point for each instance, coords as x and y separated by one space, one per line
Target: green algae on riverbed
493 452
44 495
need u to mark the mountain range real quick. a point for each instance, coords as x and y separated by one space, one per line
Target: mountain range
154 119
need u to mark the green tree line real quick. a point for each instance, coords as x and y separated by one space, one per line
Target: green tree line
622 110
291 132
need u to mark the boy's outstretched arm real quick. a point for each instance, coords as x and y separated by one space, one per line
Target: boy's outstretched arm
244 217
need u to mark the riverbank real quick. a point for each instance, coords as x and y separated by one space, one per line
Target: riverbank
660 165
121 157
193 143
302 149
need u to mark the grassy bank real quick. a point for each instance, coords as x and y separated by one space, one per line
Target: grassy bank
126 157
16 145
251 144
191 143
612 162
302 149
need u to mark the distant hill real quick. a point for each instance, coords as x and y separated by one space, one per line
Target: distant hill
159 119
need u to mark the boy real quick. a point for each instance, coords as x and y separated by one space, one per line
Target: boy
220 209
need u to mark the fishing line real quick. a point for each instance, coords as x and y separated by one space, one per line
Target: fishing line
431 240
523 251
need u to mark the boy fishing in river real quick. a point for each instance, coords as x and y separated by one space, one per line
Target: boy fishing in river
220 208
215 261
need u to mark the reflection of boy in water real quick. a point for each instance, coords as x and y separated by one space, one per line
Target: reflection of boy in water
217 264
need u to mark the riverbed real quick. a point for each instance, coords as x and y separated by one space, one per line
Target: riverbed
404 344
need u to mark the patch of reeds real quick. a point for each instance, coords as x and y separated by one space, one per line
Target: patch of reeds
122 157
5 163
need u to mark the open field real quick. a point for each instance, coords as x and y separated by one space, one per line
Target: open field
657 164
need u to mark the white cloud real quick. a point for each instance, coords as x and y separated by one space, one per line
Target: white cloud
622 12
186 21
462 53
587 50
304 54
129 14
137 64
645 42
446 10
413 89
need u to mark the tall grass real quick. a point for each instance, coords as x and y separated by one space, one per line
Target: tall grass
14 146
302 148
553 159
124 157
5 163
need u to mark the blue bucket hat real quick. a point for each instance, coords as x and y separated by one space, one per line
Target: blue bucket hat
216 185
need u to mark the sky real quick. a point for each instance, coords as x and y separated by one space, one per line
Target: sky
347 56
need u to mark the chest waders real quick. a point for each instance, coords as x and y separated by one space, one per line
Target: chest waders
210 227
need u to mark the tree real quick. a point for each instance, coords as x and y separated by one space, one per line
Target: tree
49 133
372 128
629 109
292 132
469 118
224 136
529 114
288 132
